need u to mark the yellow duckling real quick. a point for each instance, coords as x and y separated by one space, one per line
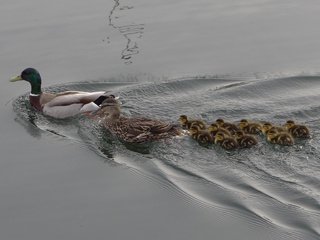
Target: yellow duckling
251 128
267 126
232 128
202 136
225 142
214 129
281 138
298 131
186 123
244 140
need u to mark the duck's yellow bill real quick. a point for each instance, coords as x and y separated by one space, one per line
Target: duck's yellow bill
17 78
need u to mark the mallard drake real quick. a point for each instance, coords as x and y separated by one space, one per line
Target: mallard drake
251 128
232 128
244 140
187 123
133 130
202 136
280 138
225 142
298 131
57 105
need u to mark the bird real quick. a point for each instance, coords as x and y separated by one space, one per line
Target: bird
133 129
244 140
267 126
57 105
225 142
297 131
280 138
186 123
202 136
232 128
251 128
214 129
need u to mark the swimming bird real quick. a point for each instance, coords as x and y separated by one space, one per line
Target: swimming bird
135 129
244 140
298 131
280 138
202 136
225 142
232 128
187 123
251 128
57 105
267 126
214 129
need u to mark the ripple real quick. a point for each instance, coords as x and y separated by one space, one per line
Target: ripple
270 186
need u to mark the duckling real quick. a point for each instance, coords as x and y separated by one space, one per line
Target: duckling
244 140
267 126
251 128
194 131
225 142
232 128
135 129
297 131
214 129
186 123
281 138
202 136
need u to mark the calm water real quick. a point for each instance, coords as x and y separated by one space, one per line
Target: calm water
70 180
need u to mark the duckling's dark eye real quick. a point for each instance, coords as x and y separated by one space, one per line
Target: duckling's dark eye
113 96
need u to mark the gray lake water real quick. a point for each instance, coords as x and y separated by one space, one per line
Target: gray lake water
68 179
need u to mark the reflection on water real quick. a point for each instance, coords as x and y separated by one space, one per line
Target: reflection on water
130 31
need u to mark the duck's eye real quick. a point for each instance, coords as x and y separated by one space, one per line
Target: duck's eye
113 96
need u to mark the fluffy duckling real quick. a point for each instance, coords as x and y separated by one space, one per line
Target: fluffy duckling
232 128
58 105
251 128
267 126
186 123
225 142
244 140
135 129
214 129
202 136
281 138
298 131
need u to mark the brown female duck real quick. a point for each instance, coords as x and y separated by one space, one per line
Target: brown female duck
133 130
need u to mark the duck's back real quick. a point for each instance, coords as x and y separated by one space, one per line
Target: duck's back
138 130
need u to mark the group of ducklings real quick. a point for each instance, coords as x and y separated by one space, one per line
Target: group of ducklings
242 135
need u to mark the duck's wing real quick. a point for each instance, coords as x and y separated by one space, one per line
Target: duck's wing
70 98
148 125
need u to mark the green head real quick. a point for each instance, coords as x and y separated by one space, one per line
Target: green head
32 76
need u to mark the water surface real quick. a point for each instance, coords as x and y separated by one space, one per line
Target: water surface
71 180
